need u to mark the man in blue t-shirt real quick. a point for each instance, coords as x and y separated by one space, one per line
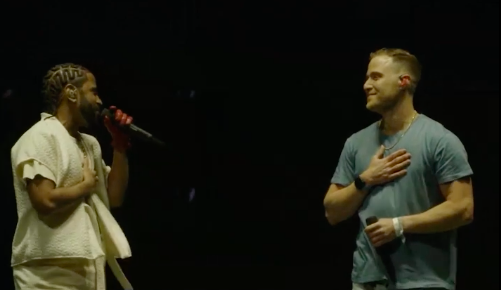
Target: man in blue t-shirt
409 179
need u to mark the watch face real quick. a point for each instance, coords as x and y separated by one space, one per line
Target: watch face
359 184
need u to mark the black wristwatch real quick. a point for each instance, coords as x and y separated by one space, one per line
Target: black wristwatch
360 184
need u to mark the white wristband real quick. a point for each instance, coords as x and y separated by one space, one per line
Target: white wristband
399 230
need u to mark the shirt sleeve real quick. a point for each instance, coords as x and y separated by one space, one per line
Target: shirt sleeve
28 158
345 170
29 169
450 159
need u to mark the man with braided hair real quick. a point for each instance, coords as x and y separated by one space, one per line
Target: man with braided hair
64 190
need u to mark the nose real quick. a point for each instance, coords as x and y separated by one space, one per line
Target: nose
367 87
99 102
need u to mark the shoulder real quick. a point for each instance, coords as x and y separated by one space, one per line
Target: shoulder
353 142
439 138
437 134
362 135
433 128
39 134
89 139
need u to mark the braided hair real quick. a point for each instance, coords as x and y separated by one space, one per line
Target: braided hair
56 80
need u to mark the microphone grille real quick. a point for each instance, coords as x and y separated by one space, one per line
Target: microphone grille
105 112
371 220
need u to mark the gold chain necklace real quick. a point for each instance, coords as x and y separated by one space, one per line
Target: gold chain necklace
82 147
401 136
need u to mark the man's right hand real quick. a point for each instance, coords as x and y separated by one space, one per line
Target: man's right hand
385 169
89 176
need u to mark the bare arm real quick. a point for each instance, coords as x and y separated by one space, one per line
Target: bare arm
341 203
118 179
454 212
47 200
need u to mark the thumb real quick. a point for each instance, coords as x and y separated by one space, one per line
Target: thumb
380 152
108 124
86 162
106 121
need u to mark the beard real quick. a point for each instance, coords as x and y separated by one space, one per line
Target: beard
89 113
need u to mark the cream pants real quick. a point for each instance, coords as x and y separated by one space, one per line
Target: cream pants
61 274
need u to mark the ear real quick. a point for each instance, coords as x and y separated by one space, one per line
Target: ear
71 93
405 81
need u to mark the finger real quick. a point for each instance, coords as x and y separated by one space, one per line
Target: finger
375 233
397 174
378 243
400 166
118 115
107 121
129 120
372 228
396 154
376 237
380 152
400 159
123 120
374 240
85 162
380 240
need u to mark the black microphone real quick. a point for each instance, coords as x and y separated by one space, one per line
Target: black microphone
384 252
133 130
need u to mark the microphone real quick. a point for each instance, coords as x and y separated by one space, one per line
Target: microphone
133 130
384 252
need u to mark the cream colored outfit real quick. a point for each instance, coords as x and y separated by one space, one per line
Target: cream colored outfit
61 274
58 253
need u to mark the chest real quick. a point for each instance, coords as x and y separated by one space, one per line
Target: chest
422 162
409 194
70 163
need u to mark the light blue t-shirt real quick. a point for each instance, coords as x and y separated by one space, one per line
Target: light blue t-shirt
438 156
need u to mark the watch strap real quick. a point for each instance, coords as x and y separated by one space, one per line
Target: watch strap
359 184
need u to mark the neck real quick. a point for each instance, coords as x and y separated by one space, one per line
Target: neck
398 117
66 118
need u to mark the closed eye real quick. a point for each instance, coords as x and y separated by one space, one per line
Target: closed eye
374 76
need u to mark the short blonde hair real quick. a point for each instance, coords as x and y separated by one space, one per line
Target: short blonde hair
407 59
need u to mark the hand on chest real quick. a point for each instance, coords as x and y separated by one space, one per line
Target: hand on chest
420 162
403 195
73 159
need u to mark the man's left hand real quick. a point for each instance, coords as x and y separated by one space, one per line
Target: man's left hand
381 232
121 140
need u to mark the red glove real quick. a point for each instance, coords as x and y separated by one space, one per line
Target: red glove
121 141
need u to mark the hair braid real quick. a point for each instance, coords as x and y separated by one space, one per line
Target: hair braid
56 80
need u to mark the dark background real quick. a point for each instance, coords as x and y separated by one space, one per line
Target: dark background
278 90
